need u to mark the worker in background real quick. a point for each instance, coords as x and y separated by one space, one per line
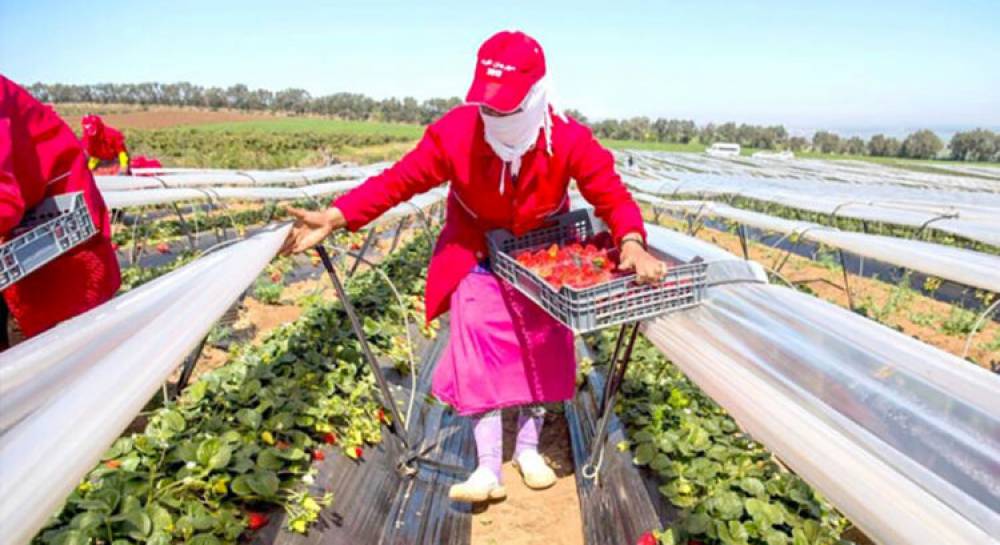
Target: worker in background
509 155
104 145
41 157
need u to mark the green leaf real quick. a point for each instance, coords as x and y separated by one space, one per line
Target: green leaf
140 523
212 454
121 446
752 486
264 483
173 420
660 462
160 516
270 459
799 537
204 539
726 505
241 486
731 533
774 537
195 392
249 418
644 454
697 523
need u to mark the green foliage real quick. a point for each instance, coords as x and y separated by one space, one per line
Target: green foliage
223 148
959 322
135 276
726 486
240 438
267 292
219 335
923 144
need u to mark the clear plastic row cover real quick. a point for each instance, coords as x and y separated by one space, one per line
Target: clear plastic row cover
952 176
975 216
901 436
906 409
966 267
149 178
95 373
144 197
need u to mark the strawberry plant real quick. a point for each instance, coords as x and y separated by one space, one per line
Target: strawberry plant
242 440
727 488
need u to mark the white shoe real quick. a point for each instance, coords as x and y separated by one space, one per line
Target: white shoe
482 485
536 473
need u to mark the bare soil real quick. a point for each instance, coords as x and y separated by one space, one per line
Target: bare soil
152 117
533 517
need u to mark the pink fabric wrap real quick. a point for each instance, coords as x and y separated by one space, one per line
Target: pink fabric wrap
503 350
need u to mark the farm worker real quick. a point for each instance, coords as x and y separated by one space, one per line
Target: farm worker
509 155
103 143
41 157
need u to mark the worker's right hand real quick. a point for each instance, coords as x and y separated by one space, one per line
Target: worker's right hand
311 228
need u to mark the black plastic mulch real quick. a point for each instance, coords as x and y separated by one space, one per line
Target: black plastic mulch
621 504
373 504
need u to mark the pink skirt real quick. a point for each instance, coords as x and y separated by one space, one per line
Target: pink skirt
504 350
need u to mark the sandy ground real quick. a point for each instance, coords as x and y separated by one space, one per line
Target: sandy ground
153 117
533 517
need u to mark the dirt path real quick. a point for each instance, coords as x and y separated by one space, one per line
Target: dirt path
530 517
907 310
152 117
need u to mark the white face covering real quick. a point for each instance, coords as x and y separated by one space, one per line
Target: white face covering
513 135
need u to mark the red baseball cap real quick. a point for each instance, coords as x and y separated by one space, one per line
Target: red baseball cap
507 65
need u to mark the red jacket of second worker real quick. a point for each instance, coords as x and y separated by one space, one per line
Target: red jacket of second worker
454 149
100 140
41 157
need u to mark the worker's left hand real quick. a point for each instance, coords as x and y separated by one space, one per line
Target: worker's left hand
647 268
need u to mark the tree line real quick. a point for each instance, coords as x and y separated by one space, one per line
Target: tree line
973 145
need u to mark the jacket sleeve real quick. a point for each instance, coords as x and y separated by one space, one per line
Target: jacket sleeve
593 168
420 170
11 200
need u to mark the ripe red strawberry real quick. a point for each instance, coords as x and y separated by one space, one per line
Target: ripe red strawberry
381 415
647 539
113 464
163 248
330 439
358 452
256 521
318 456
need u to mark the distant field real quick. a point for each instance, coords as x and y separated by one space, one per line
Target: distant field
652 146
127 116
317 126
124 116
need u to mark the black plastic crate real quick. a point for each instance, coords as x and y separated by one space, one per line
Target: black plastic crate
47 231
616 302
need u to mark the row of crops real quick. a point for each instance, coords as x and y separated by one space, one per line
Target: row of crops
242 439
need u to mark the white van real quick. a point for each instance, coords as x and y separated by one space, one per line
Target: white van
723 149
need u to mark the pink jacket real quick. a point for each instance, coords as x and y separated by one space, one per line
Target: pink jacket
454 149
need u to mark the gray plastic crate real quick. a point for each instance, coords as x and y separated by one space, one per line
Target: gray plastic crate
47 231
616 302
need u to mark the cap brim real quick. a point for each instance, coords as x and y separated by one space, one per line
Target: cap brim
505 97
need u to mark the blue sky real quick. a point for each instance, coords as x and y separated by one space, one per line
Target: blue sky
846 64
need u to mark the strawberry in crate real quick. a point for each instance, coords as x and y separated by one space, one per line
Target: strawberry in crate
575 264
